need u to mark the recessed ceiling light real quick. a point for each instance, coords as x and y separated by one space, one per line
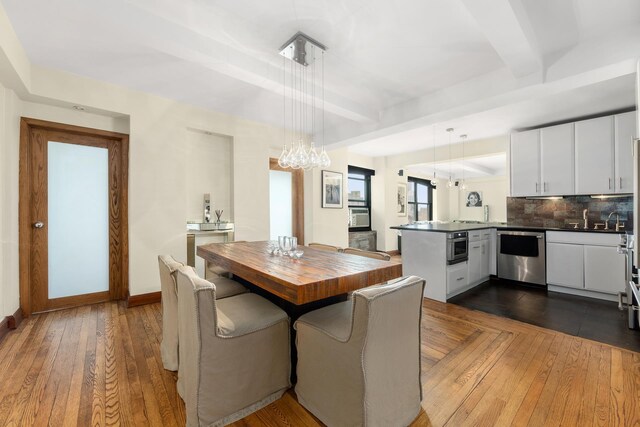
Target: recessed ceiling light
78 107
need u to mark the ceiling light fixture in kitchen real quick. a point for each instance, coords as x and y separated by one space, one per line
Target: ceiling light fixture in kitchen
434 180
301 50
462 185
450 183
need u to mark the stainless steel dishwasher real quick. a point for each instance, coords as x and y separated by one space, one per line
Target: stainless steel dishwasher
522 256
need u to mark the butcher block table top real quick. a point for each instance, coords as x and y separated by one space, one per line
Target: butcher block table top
317 275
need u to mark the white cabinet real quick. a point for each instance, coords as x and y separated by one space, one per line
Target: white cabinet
493 252
625 132
565 265
603 269
594 156
588 262
479 256
525 163
456 277
557 160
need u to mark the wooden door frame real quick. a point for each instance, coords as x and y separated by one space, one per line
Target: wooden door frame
118 152
297 195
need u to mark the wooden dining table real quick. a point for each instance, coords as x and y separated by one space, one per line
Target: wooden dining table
317 276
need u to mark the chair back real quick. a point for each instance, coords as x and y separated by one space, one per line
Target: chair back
324 247
168 267
369 254
391 314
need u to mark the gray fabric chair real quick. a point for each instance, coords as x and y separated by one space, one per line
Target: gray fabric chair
169 345
359 360
369 254
234 352
324 247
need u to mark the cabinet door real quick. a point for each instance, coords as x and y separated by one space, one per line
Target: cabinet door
625 132
603 269
525 163
565 265
486 259
493 253
557 160
456 277
475 262
594 156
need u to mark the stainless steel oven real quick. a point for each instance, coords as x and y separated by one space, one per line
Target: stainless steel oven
521 256
457 247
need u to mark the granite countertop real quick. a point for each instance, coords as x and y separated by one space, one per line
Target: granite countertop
449 227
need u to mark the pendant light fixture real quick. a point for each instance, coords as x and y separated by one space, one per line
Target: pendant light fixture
301 50
450 183
463 185
434 180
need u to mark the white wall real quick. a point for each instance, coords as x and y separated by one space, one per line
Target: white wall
209 170
494 193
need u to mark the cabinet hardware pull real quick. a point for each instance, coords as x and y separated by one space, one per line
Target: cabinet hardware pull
536 187
459 278
620 186
546 186
609 183
475 247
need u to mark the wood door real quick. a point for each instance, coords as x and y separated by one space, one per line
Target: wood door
35 138
297 198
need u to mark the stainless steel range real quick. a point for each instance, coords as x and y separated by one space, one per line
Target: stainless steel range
631 298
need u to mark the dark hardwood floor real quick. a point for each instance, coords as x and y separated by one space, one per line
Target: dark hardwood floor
589 318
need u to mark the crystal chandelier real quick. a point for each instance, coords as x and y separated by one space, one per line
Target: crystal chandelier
301 115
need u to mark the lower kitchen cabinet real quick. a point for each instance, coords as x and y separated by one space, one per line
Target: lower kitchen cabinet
457 277
604 269
588 262
565 265
480 258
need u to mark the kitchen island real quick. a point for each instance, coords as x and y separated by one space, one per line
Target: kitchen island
430 250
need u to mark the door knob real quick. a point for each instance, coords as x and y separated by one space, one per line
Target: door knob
39 224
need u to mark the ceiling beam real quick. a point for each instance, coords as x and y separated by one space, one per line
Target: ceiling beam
507 27
219 55
472 167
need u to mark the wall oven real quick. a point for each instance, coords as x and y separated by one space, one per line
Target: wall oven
457 247
522 256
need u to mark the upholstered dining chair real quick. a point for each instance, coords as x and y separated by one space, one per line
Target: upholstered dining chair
359 360
169 345
369 254
324 247
211 270
234 352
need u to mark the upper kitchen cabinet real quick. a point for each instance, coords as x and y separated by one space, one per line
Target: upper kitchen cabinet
557 160
594 156
525 163
625 132
542 161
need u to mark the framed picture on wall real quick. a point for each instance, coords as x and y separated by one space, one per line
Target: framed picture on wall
474 199
331 190
402 199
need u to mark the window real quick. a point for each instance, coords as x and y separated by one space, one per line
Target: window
359 186
419 199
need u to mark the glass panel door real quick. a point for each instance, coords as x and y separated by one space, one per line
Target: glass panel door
78 230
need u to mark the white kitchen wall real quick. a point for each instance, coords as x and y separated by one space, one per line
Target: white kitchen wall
494 193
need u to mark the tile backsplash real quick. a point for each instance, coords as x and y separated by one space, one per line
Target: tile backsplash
560 213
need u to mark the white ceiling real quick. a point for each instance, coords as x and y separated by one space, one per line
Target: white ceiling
393 69
469 168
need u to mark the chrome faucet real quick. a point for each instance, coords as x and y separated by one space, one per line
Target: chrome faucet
618 225
586 219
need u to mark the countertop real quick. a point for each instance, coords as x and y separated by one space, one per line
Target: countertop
449 227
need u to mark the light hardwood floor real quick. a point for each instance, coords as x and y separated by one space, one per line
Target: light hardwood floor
100 365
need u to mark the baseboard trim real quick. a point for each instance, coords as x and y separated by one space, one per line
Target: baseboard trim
10 322
393 252
142 299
